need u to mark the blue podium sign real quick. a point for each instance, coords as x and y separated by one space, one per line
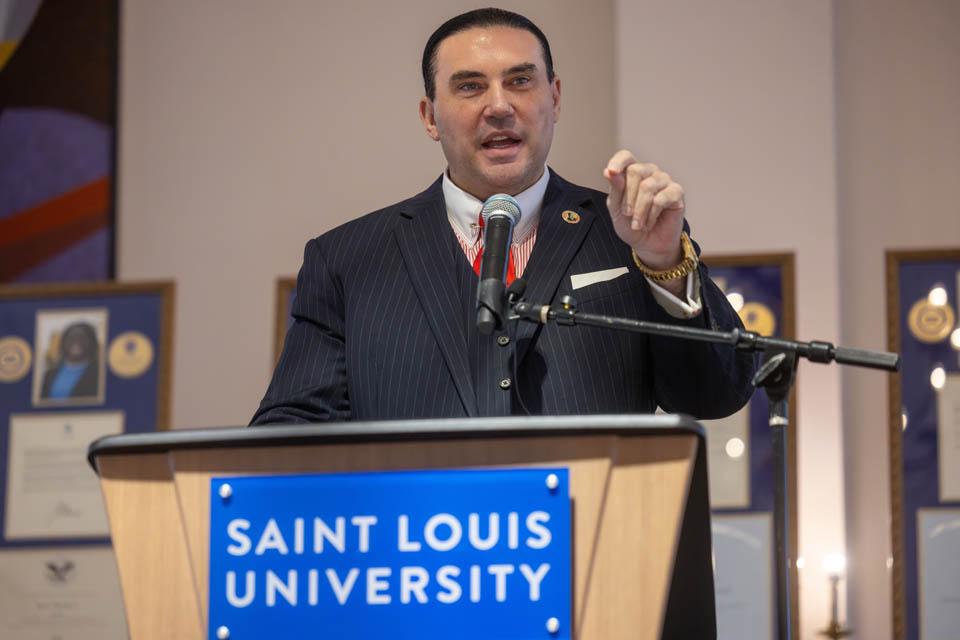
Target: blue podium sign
420 554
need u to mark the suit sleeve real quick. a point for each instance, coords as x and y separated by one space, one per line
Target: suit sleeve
310 381
705 380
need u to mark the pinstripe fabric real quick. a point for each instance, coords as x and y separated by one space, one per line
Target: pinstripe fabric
489 362
521 250
382 327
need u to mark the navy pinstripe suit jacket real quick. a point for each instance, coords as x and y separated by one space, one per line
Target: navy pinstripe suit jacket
379 331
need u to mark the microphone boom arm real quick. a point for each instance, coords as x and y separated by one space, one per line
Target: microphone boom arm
814 351
776 376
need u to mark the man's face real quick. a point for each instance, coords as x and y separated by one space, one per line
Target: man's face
494 109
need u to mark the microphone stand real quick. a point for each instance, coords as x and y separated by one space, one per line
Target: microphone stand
776 376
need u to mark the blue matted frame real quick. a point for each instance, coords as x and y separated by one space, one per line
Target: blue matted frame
145 400
914 462
768 278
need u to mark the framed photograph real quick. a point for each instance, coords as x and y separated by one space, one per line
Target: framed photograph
923 304
739 448
77 362
70 362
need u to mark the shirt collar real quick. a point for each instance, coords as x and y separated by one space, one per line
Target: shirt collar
463 208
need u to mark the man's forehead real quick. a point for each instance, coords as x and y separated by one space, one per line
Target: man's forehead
495 48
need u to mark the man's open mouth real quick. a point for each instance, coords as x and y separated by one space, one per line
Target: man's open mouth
501 142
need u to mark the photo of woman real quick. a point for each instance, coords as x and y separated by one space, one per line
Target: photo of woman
70 349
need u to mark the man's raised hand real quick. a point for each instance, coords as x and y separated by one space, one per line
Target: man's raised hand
647 209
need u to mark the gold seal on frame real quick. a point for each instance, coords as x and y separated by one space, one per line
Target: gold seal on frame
15 358
930 322
131 354
759 318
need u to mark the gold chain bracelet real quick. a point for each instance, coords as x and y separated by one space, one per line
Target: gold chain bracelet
686 266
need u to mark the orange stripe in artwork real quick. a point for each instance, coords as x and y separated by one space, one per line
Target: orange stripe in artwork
30 238
7 47
80 205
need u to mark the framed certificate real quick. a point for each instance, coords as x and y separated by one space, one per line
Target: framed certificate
740 448
728 452
948 437
60 592
77 362
924 432
50 490
938 548
744 576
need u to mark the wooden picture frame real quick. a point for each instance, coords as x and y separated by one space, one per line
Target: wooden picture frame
166 292
77 361
906 610
717 265
286 287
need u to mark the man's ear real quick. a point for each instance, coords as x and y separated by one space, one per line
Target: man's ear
428 118
555 90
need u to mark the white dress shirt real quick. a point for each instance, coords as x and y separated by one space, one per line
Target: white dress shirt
463 211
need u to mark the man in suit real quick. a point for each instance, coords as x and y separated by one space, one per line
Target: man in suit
385 306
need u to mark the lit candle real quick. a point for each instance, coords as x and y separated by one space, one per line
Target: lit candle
835 565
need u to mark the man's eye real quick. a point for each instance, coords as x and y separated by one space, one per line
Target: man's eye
521 80
469 86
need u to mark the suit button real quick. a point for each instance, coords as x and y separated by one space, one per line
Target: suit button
503 341
505 383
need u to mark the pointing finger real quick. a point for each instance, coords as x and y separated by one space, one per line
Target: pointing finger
617 184
641 185
620 161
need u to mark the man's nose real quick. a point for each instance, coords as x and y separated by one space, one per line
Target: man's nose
498 104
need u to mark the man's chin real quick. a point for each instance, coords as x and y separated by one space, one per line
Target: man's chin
508 181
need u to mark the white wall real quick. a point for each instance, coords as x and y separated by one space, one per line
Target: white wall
736 100
248 127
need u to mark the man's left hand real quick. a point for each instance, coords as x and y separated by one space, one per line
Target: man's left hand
647 209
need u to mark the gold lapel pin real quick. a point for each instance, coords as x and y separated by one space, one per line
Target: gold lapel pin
570 217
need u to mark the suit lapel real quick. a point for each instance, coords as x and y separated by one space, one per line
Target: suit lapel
557 243
425 241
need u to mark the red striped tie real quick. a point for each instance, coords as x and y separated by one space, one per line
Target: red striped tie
511 268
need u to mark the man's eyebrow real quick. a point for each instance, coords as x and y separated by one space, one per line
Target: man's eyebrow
465 75
526 67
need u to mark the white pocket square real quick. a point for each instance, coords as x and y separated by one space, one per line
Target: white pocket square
581 280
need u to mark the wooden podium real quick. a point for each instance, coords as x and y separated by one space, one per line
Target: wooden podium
642 566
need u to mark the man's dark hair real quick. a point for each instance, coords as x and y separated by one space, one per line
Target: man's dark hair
490 17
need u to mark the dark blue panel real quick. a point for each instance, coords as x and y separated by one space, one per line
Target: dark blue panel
761 284
137 397
919 440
